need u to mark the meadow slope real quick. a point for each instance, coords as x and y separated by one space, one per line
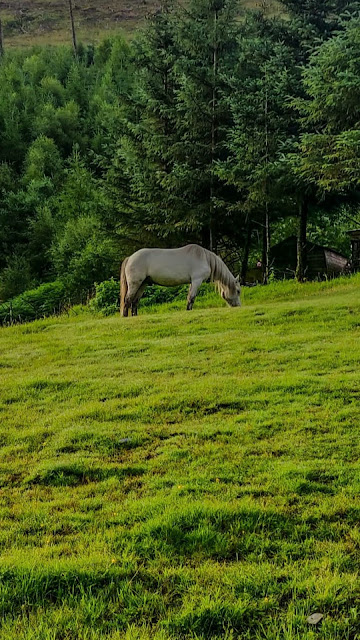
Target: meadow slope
33 22
184 475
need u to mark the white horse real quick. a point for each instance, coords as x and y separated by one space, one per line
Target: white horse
169 267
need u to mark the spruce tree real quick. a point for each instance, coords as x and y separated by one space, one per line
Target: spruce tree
263 78
319 19
179 121
330 158
207 41
145 153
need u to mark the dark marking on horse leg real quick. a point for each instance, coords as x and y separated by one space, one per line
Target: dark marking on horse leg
127 306
190 301
137 297
194 288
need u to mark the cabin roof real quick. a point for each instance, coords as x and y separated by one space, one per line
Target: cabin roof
310 245
351 231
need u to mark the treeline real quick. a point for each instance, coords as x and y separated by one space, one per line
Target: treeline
232 132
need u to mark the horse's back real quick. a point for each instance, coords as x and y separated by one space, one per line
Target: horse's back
170 266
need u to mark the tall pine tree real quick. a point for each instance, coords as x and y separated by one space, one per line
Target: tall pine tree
207 41
263 78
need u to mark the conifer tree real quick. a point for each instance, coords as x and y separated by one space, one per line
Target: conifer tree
179 120
314 21
330 158
207 41
263 79
145 156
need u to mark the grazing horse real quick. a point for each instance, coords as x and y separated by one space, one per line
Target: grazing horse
169 267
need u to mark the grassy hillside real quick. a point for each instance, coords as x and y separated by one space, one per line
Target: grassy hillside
184 475
28 22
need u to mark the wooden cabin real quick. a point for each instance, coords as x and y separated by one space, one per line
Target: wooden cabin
321 261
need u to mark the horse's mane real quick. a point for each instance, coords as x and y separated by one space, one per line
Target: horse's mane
219 271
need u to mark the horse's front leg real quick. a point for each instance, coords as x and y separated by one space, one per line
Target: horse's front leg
193 290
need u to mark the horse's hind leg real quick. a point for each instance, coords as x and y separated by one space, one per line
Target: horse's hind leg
193 290
136 300
133 288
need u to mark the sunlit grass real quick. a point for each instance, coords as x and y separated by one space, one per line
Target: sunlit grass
184 475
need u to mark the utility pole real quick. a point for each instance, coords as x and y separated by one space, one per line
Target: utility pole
73 27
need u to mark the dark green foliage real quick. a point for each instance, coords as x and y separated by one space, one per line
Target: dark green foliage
323 16
15 277
201 129
56 219
43 301
261 84
107 298
330 156
178 129
157 295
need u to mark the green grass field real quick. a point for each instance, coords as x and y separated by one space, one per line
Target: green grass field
184 475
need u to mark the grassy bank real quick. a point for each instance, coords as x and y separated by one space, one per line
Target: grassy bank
184 475
44 22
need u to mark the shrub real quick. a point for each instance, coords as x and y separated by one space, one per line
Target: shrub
43 301
83 254
157 295
107 297
15 278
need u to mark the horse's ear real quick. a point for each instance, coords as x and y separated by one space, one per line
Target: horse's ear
237 278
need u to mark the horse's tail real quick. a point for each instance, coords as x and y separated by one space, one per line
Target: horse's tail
123 286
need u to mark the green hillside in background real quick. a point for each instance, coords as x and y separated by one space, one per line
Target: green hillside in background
29 22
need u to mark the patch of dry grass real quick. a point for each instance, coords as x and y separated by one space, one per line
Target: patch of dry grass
42 22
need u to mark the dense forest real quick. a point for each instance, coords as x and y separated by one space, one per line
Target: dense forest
231 132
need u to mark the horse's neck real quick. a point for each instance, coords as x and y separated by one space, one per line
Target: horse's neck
219 271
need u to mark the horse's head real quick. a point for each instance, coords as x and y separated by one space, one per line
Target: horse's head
231 293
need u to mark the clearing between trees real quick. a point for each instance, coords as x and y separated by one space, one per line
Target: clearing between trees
28 23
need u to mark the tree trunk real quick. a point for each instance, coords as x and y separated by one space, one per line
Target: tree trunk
73 27
206 240
245 260
266 227
213 133
266 247
301 240
1 39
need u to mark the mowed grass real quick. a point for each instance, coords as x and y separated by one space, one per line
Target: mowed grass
184 475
